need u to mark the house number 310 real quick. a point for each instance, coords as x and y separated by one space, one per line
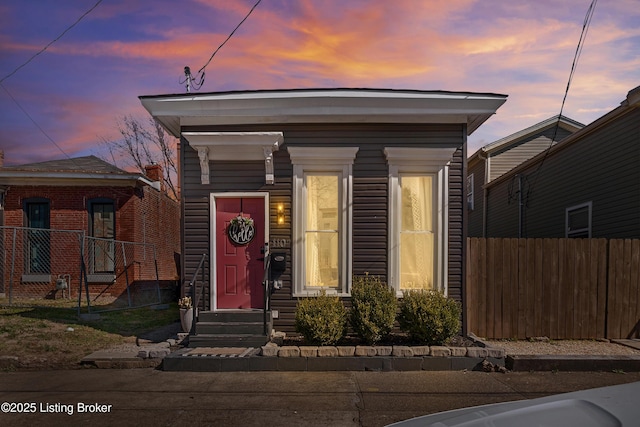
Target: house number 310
280 243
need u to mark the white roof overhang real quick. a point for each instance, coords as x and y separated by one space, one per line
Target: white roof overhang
322 106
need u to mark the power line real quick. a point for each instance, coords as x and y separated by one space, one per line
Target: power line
31 59
52 42
34 122
576 57
201 70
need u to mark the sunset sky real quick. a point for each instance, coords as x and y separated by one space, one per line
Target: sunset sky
76 90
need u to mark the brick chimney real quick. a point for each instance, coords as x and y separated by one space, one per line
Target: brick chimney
154 173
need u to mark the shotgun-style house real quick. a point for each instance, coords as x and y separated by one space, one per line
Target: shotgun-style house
499 157
586 185
324 184
84 221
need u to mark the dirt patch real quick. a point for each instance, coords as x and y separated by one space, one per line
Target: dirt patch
44 338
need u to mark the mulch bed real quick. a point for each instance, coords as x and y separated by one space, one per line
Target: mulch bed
391 340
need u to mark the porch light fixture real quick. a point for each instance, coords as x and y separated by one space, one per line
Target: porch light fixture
280 214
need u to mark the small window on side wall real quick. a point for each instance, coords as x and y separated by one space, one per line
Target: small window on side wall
578 221
470 192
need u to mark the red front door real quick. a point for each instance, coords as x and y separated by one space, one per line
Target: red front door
239 266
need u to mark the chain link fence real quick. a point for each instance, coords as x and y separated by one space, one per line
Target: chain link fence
100 274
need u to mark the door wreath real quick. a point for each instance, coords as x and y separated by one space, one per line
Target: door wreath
241 230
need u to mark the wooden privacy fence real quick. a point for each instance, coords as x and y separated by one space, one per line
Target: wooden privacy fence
558 288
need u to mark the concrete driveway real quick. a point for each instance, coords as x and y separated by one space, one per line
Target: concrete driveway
148 397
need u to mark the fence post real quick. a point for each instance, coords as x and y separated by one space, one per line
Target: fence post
13 264
126 272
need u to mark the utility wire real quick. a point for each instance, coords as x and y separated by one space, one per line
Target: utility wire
583 35
201 70
52 42
31 59
34 122
576 57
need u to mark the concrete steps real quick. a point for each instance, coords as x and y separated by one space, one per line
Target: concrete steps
231 328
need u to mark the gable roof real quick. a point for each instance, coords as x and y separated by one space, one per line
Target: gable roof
631 102
502 143
562 121
346 105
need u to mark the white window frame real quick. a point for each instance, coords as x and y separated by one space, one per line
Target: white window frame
570 234
417 162
310 160
470 192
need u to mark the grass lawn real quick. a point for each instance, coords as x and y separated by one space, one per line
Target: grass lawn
47 334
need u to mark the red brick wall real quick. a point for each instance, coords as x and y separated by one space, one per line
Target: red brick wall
142 215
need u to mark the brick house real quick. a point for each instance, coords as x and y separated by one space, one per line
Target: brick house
106 206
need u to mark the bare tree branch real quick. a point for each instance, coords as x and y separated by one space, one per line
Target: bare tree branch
141 144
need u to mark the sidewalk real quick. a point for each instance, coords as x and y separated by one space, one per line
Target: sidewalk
160 349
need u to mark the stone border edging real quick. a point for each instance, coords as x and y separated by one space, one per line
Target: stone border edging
274 350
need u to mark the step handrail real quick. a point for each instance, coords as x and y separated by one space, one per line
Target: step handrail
195 294
267 290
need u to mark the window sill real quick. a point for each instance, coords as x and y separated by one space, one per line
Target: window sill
101 278
36 278
316 292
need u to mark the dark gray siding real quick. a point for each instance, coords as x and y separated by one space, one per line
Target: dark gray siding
502 212
370 194
504 160
474 227
457 220
603 167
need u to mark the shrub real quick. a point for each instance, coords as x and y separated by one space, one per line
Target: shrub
429 317
373 310
322 319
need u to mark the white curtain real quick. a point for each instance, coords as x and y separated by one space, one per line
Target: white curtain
321 234
416 233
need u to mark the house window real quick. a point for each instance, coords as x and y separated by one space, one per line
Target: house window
101 245
418 217
578 221
38 245
470 192
322 182
416 232
322 231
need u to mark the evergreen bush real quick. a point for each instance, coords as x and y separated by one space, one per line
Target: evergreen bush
373 310
322 319
429 317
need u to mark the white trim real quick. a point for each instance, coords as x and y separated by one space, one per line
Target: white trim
322 156
589 206
420 161
226 146
321 159
213 302
323 106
